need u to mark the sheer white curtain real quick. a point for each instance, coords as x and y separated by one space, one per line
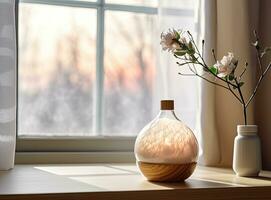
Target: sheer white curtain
178 14
184 90
7 84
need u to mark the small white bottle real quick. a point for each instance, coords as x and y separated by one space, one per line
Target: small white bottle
247 160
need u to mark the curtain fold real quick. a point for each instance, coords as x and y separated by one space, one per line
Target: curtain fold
7 84
206 125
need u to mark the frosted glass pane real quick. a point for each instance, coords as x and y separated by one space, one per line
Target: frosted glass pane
129 72
57 49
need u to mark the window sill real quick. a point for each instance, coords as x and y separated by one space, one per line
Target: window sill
123 181
56 150
74 157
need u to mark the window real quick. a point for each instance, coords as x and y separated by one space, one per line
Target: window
87 68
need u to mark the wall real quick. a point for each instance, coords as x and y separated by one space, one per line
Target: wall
263 100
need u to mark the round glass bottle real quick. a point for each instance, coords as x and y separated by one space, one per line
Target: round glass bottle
166 149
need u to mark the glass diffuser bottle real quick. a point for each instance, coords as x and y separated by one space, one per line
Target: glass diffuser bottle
166 149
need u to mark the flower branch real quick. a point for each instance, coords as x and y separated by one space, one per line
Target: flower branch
182 45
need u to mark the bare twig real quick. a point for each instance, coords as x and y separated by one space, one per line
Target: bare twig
193 41
258 51
179 57
213 53
202 48
192 70
259 61
184 63
186 74
195 70
242 99
204 79
245 69
234 94
257 85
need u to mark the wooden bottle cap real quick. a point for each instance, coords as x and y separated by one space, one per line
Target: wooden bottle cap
167 105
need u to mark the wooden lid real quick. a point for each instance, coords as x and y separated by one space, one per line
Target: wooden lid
167 105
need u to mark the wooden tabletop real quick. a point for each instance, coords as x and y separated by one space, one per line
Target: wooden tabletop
123 181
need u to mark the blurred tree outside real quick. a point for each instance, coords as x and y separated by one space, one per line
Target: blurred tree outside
56 86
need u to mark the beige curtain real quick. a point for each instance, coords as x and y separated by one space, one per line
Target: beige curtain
226 26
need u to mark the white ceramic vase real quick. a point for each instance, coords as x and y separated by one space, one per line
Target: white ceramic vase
247 159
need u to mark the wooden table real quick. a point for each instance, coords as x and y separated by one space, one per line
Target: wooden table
123 181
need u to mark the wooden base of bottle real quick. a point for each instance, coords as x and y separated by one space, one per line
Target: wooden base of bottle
166 172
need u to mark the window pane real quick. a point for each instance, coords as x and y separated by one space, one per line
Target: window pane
56 69
129 72
151 3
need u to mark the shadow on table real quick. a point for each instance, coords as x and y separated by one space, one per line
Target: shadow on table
193 183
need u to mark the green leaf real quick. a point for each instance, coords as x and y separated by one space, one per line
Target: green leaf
190 45
193 58
231 77
180 53
178 35
213 70
191 51
241 84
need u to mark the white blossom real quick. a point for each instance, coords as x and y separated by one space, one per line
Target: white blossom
169 40
226 66
183 39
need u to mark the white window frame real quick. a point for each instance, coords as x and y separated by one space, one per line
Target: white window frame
92 148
